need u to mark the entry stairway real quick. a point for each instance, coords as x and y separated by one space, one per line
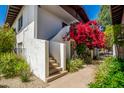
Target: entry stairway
55 71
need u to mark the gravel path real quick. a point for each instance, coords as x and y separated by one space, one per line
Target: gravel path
79 79
16 83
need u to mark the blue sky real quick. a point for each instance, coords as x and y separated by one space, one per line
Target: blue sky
91 10
3 10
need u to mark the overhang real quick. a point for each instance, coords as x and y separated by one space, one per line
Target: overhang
117 12
79 10
13 11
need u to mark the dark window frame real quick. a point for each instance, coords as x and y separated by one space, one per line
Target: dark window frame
20 23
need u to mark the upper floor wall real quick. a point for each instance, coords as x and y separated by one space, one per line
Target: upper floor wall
51 19
48 20
27 13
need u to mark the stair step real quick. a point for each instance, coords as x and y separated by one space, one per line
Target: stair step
55 70
53 77
51 58
52 61
53 65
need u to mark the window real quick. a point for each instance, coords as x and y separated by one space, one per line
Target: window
20 48
15 30
20 23
64 24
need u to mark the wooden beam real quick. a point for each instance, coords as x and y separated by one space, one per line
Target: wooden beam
15 7
11 17
13 10
117 10
116 13
116 6
116 16
76 8
12 13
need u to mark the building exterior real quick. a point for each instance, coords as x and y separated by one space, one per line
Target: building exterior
39 31
117 12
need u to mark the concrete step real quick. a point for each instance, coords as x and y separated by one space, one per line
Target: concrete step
54 77
53 65
55 70
52 61
51 58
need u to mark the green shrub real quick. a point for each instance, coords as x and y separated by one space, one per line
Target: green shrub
12 65
25 76
7 40
74 64
8 64
110 74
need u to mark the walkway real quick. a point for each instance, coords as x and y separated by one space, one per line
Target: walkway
79 79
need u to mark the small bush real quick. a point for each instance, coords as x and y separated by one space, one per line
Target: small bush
8 65
7 40
12 65
74 65
110 74
25 76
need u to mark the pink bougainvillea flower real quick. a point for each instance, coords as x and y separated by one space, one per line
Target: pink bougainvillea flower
88 34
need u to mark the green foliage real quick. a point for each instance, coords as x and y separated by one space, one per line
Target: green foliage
109 36
7 39
116 32
74 65
8 64
25 76
12 65
84 53
110 74
80 49
104 16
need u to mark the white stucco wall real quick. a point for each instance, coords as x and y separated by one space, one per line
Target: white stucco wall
36 51
50 19
62 32
28 16
58 38
48 24
58 51
40 23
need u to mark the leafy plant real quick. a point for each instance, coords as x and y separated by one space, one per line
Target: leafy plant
7 39
12 65
110 74
25 76
74 65
109 36
116 32
104 16
8 64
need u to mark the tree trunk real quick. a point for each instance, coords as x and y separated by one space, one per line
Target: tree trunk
91 53
115 51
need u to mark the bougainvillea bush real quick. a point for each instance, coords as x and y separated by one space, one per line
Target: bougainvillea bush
87 34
